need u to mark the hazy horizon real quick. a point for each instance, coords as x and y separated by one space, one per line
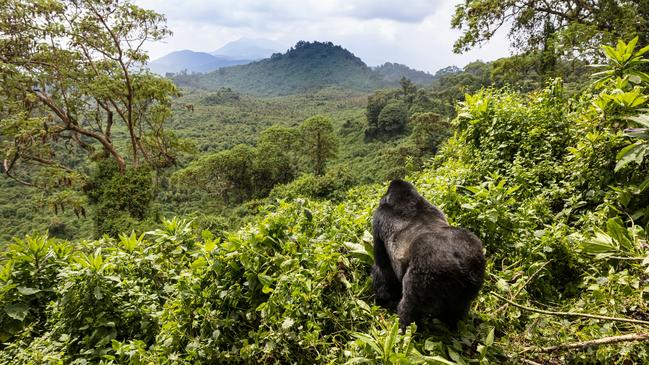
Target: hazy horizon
419 35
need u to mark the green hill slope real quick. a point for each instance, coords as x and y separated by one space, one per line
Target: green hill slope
307 67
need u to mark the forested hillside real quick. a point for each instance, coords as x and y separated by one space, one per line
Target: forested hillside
148 222
393 72
306 67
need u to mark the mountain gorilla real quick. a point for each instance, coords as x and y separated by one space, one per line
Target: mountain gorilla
422 263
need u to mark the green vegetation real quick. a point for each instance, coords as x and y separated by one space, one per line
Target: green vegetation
533 175
219 120
305 68
271 260
319 142
119 200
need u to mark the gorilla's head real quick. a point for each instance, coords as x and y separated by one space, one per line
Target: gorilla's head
404 200
401 196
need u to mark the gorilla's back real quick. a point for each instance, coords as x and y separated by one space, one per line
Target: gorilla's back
455 252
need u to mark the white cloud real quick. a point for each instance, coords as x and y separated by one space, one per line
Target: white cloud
416 33
246 12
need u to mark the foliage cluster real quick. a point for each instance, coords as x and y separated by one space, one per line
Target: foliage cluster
220 96
245 172
553 27
120 201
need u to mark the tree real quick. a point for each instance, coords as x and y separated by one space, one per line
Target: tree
319 141
408 89
576 25
375 104
121 201
281 148
72 72
228 174
244 172
428 131
393 117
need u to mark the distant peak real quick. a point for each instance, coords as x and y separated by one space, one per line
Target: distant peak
248 48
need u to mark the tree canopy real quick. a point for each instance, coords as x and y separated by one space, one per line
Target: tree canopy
319 141
577 25
71 75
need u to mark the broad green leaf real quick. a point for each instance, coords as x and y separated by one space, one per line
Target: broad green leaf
490 337
391 338
642 51
363 305
599 244
360 251
265 279
17 311
367 237
27 291
368 340
439 360
618 232
642 119
632 153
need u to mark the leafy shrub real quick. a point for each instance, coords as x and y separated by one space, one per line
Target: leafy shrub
333 185
120 201
221 96
28 278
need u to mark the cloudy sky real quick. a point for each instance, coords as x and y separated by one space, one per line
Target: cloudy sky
414 32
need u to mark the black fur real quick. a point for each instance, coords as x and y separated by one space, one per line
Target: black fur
421 264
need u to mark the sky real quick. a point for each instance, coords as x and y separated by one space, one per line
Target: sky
414 32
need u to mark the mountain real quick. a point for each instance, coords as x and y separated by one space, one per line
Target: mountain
308 66
248 49
393 72
192 62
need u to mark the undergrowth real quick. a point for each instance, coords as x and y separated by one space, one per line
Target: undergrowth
545 180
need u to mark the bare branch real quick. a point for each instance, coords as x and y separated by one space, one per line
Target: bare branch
127 79
47 162
570 314
7 167
592 343
73 126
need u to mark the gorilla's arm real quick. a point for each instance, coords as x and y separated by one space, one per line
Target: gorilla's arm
386 285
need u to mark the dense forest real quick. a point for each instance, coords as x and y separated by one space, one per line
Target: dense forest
226 217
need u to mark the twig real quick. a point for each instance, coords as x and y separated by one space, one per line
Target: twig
530 278
524 285
530 362
586 344
570 314
624 258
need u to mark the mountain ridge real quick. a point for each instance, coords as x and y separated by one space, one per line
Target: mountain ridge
305 67
191 61
248 48
239 52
